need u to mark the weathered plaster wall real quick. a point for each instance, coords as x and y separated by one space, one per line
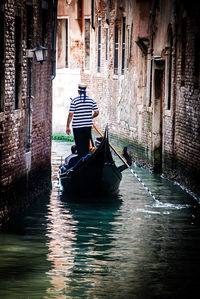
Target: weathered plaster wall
155 101
120 97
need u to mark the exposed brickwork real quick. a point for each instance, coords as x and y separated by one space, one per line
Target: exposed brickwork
187 117
13 122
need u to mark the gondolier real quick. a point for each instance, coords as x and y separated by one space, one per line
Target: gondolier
81 113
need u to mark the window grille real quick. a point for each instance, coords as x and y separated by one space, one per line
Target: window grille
87 44
116 50
99 47
123 43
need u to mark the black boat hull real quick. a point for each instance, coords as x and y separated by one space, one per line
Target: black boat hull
107 182
95 174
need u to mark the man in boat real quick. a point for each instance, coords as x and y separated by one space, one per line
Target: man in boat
81 113
72 158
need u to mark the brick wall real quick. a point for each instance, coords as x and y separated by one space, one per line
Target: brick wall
17 162
187 120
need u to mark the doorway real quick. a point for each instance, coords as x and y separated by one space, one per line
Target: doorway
158 94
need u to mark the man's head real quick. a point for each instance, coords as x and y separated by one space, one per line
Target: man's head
82 88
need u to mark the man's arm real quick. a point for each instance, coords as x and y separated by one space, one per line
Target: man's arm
95 113
69 119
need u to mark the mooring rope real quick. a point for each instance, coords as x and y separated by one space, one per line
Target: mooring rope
147 189
128 166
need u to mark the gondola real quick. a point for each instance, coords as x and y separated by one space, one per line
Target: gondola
96 173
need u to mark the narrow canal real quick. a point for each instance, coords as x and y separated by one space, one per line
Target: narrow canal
124 246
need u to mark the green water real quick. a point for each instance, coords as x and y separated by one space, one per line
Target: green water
124 246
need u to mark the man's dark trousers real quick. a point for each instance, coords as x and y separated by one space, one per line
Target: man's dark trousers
82 137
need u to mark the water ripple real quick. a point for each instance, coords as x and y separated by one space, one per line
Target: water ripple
122 246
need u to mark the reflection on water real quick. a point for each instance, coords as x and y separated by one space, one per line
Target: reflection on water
125 246
61 232
80 234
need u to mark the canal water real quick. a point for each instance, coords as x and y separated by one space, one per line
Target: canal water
123 246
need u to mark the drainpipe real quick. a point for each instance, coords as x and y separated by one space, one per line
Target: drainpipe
55 7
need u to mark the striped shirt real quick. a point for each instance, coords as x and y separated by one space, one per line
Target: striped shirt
82 112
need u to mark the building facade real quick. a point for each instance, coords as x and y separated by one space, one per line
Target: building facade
25 90
140 60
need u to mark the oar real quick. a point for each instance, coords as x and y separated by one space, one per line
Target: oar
128 166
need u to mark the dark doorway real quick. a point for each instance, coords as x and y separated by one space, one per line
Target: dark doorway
157 115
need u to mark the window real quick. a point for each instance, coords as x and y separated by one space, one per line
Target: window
2 50
158 83
80 13
59 44
18 57
67 43
123 43
129 33
29 36
44 22
106 44
63 43
108 12
150 82
99 47
93 12
116 50
128 47
170 70
87 44
29 26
